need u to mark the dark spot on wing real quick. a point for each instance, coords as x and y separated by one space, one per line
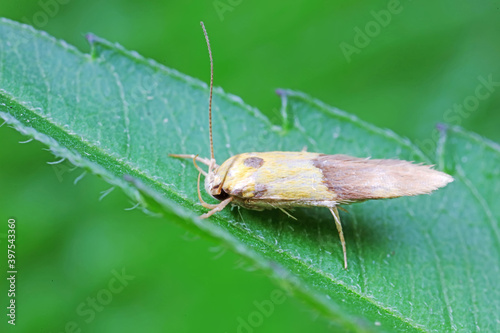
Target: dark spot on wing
237 192
253 162
260 190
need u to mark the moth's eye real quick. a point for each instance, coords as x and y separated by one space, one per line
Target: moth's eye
222 196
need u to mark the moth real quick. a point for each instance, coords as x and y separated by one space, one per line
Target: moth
283 180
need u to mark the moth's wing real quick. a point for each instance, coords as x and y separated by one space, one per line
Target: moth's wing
277 178
355 179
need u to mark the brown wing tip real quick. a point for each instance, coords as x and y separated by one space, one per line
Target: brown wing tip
443 179
426 180
355 179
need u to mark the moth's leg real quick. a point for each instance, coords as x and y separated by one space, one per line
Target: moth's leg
287 213
200 170
217 208
344 210
304 149
205 161
203 203
336 217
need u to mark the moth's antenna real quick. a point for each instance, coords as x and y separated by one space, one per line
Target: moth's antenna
211 87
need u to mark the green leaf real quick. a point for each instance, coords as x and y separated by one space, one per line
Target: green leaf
426 263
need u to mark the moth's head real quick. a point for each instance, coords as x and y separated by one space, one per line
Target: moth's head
214 182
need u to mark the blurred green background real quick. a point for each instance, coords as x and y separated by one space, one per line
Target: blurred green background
414 64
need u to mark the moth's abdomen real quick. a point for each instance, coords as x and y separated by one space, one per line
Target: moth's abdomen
354 179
